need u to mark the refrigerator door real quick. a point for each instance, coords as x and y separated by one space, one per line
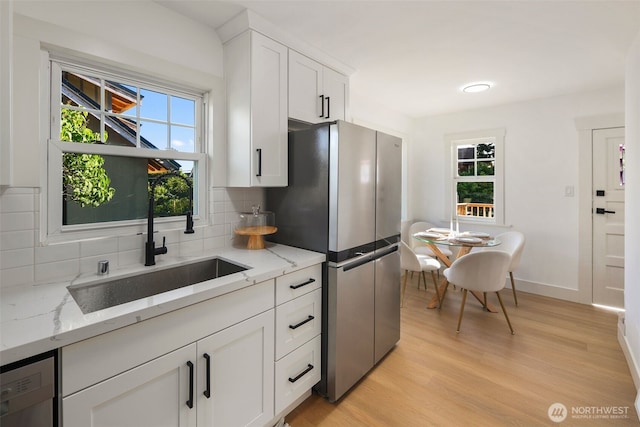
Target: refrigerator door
389 189
352 180
387 301
350 334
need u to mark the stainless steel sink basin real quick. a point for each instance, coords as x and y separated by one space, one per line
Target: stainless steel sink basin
97 296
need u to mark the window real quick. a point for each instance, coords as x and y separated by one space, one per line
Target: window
476 176
113 134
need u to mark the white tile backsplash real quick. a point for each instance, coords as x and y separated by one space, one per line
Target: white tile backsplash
57 271
16 276
23 260
57 252
16 258
12 221
98 246
18 202
17 239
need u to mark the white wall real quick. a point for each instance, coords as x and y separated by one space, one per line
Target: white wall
632 205
541 160
138 36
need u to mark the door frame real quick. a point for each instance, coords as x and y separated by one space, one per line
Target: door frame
585 127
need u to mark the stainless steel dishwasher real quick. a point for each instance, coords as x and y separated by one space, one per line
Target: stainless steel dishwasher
28 392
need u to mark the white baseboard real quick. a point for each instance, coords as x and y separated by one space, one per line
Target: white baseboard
631 361
546 290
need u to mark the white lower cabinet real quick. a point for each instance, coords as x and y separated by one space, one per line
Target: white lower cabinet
240 375
224 380
153 394
245 358
297 335
297 373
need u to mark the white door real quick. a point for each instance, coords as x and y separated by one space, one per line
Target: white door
240 372
608 217
152 395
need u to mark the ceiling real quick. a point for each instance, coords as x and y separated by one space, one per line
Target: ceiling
414 56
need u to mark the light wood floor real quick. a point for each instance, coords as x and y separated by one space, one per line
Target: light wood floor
562 352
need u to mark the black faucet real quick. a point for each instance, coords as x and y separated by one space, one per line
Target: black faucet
150 250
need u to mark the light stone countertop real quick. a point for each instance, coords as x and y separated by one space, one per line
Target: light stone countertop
42 317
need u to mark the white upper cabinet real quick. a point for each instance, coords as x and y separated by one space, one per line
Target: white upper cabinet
256 76
316 93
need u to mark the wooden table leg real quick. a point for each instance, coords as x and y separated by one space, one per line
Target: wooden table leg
434 303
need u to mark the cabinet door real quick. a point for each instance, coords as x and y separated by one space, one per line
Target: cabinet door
241 374
151 395
269 78
256 76
305 88
335 87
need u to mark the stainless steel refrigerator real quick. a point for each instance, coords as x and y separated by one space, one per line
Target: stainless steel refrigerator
343 199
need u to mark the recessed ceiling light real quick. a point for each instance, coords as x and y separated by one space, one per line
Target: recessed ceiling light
476 87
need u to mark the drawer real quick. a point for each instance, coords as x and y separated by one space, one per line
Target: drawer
297 322
298 283
296 373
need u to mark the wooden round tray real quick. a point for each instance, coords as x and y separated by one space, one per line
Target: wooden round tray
255 233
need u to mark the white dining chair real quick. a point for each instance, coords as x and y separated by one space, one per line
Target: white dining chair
421 248
482 271
412 262
511 242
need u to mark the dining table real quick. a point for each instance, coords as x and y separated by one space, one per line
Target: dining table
465 241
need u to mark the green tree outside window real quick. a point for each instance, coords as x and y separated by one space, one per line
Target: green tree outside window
84 180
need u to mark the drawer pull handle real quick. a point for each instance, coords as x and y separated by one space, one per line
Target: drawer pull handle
301 374
207 391
308 282
190 401
307 320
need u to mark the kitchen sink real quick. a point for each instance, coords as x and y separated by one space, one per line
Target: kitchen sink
99 295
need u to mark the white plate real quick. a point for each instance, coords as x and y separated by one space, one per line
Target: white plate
469 239
428 235
439 230
475 234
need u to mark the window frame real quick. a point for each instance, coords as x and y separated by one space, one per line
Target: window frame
52 229
452 141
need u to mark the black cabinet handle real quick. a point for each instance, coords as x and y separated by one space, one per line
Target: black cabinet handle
302 284
190 401
259 150
328 107
321 103
297 325
301 374
207 391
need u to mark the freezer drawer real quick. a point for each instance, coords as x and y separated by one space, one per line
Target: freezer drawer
350 327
